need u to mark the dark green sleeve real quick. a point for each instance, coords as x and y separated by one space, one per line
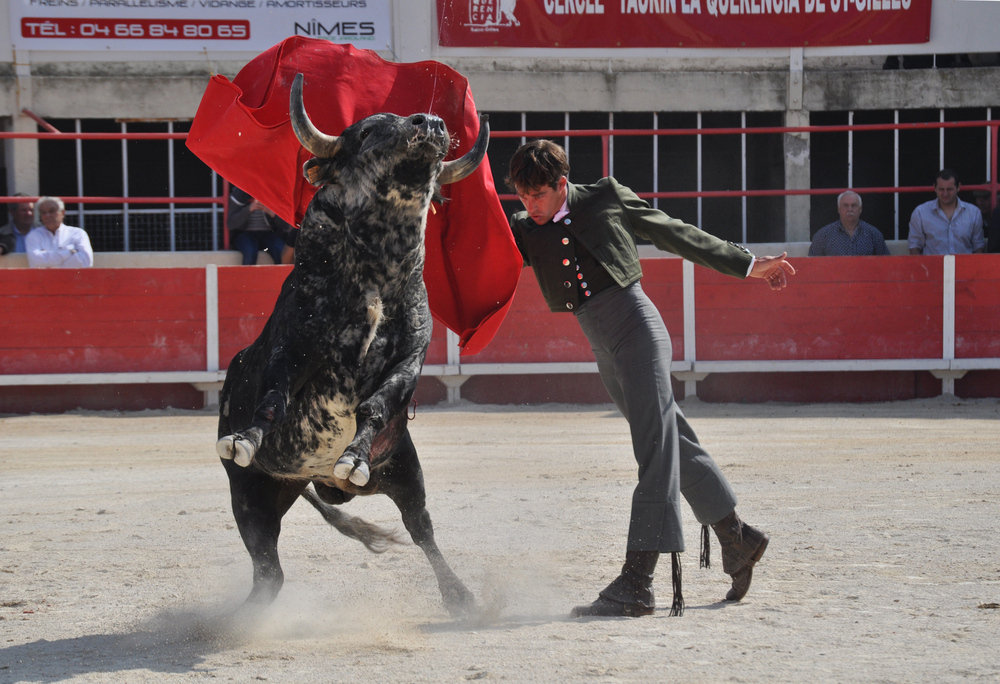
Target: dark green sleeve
687 241
515 230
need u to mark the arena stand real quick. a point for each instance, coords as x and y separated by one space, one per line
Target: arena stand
847 329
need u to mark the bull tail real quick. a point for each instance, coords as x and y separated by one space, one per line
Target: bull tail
375 538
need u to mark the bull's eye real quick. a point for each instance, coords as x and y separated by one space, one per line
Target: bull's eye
364 133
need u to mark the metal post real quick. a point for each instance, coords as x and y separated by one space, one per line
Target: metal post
656 160
125 214
566 138
850 150
743 171
610 163
895 174
79 174
215 213
170 184
225 214
991 158
699 169
941 142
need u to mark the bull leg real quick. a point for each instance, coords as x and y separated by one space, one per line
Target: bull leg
259 503
280 378
373 414
402 480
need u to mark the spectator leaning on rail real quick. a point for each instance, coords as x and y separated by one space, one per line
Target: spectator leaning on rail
15 233
54 244
580 241
255 228
850 236
946 225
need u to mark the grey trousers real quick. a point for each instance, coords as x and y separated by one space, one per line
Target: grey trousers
633 353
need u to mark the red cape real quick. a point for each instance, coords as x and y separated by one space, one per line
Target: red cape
242 131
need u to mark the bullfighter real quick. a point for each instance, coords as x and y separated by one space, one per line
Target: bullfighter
580 241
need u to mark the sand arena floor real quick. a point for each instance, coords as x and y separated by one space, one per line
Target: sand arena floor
120 561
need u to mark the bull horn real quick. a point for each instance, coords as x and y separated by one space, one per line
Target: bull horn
318 143
458 169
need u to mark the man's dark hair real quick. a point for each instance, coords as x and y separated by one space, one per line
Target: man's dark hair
535 164
10 206
945 175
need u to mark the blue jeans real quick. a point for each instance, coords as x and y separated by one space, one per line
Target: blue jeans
249 242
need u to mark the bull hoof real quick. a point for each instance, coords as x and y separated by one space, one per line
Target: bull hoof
353 469
459 601
233 447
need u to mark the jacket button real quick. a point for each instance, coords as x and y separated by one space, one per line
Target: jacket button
567 222
569 305
583 285
565 262
567 284
587 293
565 241
579 276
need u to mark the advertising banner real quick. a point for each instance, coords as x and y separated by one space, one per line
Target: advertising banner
681 23
195 25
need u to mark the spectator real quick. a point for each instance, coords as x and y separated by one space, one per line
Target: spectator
255 228
983 202
946 225
22 220
850 236
994 245
54 244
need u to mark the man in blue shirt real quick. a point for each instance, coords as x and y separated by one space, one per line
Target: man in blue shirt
946 225
850 236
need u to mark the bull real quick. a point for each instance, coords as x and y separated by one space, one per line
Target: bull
320 396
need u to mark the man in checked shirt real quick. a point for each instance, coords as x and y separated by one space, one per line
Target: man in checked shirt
850 236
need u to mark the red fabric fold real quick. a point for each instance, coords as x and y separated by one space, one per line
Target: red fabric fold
242 131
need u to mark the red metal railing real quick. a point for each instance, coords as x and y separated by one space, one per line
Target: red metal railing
605 135
993 185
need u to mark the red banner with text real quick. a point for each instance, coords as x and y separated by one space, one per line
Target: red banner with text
681 23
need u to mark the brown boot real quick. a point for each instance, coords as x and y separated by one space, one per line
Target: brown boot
742 546
630 594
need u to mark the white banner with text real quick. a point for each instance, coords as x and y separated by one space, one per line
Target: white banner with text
195 25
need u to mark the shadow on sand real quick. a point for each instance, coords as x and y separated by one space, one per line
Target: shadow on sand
171 643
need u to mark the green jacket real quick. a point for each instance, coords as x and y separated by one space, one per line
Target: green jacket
606 217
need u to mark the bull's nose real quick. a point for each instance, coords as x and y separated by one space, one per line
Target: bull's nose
428 122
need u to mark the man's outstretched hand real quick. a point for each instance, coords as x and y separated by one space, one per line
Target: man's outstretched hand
773 269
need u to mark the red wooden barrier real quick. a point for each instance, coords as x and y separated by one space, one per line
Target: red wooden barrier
246 298
835 308
977 306
860 308
102 320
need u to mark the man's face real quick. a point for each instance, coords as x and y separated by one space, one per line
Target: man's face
543 203
947 191
51 215
849 209
23 215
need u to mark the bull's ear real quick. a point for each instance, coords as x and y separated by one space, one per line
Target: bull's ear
319 172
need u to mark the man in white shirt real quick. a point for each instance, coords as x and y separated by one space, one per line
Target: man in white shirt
946 225
54 244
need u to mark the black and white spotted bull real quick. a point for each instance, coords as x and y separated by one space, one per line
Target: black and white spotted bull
320 397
